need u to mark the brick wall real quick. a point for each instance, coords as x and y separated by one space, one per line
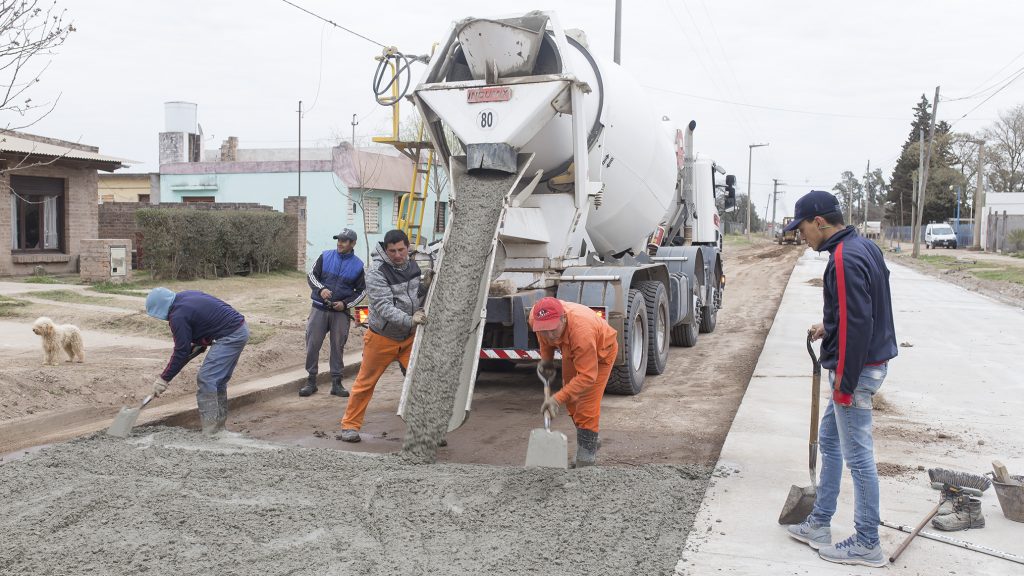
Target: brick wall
80 219
95 260
296 206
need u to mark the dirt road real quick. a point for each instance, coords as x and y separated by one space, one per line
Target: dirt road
681 417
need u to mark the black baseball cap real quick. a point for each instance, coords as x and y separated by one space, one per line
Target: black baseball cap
814 203
347 234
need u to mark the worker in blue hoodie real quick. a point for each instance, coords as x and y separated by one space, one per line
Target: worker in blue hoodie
858 338
198 320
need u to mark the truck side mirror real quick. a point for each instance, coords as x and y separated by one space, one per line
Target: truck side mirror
730 180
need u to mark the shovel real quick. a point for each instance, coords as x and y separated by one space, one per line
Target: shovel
547 449
125 420
800 501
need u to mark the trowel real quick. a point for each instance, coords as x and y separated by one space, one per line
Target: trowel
800 501
547 449
125 419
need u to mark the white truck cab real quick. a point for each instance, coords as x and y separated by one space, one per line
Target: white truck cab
938 234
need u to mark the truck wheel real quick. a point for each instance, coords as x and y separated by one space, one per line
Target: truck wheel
628 379
658 324
708 318
685 335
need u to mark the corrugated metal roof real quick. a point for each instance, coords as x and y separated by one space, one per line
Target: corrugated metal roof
9 143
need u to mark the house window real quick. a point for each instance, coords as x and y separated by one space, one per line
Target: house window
394 212
195 199
371 215
37 213
144 198
440 216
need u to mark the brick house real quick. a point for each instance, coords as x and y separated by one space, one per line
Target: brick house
51 205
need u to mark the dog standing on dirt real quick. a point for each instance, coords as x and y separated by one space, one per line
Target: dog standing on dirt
57 336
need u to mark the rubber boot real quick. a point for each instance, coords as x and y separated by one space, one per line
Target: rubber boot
209 411
587 444
966 514
310 388
222 410
336 388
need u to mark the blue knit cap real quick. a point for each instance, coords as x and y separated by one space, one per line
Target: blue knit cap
158 303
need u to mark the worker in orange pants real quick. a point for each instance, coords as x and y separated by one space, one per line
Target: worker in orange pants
589 347
378 353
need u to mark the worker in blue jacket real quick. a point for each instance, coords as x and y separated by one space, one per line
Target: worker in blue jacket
336 282
198 320
858 340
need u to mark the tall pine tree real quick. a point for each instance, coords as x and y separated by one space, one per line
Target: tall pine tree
901 187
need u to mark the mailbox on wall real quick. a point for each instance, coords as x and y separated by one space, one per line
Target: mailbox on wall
118 261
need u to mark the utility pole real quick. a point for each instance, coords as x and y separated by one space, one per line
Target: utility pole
354 124
750 158
979 198
775 198
917 188
300 148
924 177
864 199
618 32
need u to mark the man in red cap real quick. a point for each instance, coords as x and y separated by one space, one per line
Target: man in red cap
588 346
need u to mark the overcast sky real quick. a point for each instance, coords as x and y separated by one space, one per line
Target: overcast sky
830 85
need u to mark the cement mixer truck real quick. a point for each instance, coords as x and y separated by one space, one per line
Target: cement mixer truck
597 199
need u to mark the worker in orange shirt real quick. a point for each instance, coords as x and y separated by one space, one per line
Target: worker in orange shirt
588 346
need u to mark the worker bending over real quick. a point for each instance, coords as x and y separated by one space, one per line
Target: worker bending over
588 346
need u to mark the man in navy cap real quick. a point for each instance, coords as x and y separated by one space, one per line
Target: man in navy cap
858 340
336 282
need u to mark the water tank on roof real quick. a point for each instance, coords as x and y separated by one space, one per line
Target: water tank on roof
180 117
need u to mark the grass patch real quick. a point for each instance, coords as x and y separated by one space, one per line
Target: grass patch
124 289
42 280
1013 274
139 324
259 334
9 306
71 296
736 240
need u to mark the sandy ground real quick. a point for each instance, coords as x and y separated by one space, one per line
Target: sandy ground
125 349
167 501
681 416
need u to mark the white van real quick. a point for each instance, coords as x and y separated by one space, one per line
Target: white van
939 235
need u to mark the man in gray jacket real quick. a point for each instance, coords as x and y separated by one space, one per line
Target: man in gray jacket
396 296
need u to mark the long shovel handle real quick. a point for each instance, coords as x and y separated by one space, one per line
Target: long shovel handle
906 541
547 394
812 440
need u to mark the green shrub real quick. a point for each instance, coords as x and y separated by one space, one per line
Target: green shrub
186 244
1016 240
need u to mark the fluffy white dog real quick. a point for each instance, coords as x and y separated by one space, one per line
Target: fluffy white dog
57 336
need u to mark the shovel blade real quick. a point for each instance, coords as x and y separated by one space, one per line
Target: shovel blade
799 504
123 422
547 449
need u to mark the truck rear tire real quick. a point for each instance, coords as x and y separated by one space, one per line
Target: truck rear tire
658 324
628 378
685 335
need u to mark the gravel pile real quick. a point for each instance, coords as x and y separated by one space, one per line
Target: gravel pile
168 501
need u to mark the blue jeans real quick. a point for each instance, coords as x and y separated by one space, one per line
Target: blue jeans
221 360
845 435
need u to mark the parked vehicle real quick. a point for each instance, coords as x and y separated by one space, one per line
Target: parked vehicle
937 234
791 237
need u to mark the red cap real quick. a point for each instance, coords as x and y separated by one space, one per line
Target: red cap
547 314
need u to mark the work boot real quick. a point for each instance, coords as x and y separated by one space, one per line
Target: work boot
209 411
587 444
336 388
310 388
948 499
222 410
966 514
349 436
813 535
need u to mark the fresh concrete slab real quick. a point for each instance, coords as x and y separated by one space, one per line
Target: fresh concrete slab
952 400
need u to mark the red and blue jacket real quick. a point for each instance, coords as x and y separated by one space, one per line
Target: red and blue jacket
859 328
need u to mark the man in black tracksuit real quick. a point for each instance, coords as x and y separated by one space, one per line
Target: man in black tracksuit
336 282
858 340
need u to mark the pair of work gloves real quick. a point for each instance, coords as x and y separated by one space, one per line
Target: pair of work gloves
546 372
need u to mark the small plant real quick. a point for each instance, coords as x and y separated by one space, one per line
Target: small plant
1016 240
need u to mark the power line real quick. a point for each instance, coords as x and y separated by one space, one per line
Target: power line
976 92
1001 88
335 24
774 108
